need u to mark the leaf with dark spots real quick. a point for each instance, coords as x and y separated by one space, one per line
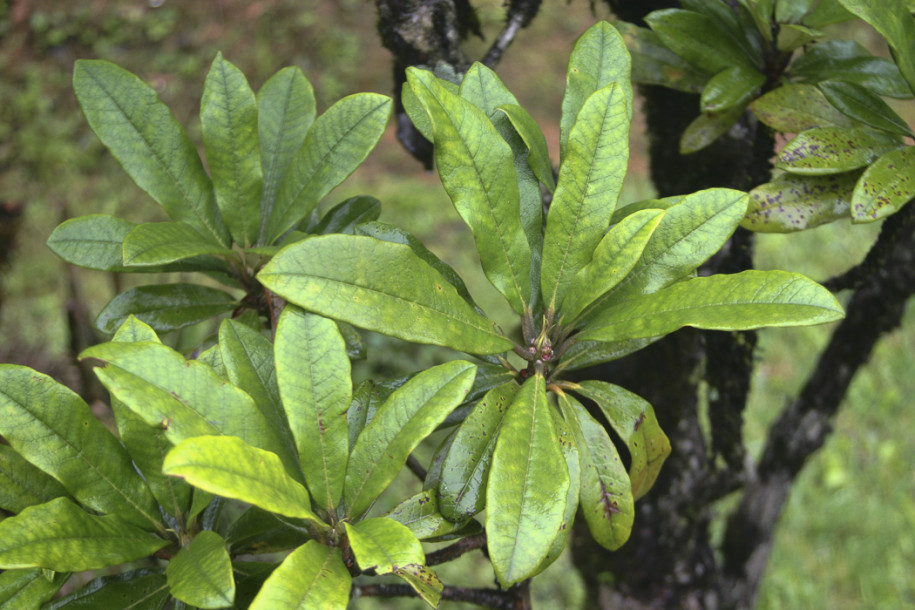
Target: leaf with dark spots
794 203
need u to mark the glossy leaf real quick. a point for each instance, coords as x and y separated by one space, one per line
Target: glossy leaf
477 170
893 20
60 536
184 397
158 243
527 475
422 516
795 108
406 417
257 531
143 589
736 22
249 362
313 375
28 588
742 301
312 576
698 39
465 469
343 217
633 419
379 286
229 467
285 112
605 493
590 179
831 150
708 127
51 427
337 143
730 88
533 138
792 36
165 307
846 60
655 64
615 256
228 118
154 150
864 106
383 544
22 484
886 186
794 203
201 573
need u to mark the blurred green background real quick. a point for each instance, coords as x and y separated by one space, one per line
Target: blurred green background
847 539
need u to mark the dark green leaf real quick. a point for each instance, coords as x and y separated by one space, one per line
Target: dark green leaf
422 516
792 36
527 476
201 573
848 61
655 64
795 108
22 484
743 301
885 186
698 39
831 150
893 20
228 117
338 141
794 203
736 22
862 105
312 576
313 375
706 128
343 217
51 427
258 531
380 286
731 88
62 537
285 112
93 242
165 307
585 353
407 416
144 589
151 146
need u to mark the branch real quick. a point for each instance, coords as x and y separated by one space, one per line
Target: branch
416 468
519 15
508 599
452 552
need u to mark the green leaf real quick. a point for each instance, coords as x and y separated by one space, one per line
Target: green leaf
337 143
258 531
51 427
22 484
570 453
886 186
846 60
742 301
343 217
228 117
165 307
285 112
150 145
736 22
698 39
794 203
615 256
831 150
406 417
157 243
201 573
527 476
424 581
313 375
482 87
382 544
730 88
184 397
598 59
248 359
60 536
93 242
28 588
229 467
633 419
582 354
477 170
312 576
796 108
379 286
533 138
655 64
862 105
689 233
590 179
143 589
708 127
605 493
792 36
422 516
465 469
893 20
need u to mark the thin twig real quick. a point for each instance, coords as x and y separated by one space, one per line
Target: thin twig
417 468
489 598
452 552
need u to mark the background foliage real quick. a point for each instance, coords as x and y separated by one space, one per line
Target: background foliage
846 537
